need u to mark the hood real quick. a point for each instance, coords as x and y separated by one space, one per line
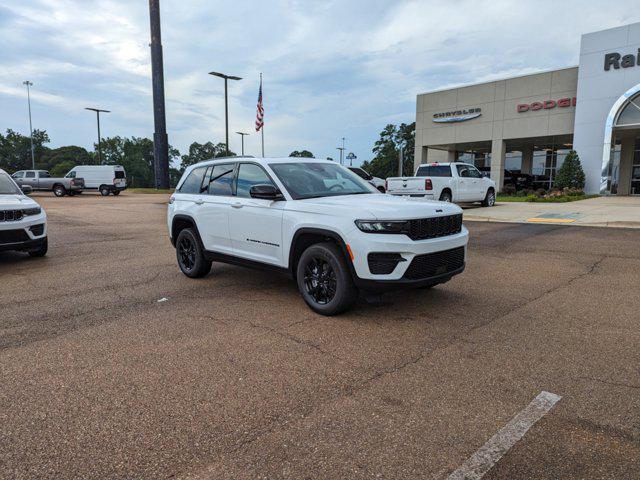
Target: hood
380 206
17 201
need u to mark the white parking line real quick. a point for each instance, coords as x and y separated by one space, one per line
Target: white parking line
488 455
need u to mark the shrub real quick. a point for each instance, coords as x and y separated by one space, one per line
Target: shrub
570 174
508 190
532 197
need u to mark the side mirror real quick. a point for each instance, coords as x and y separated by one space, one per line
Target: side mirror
26 189
266 192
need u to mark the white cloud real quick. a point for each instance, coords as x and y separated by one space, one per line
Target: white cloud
332 68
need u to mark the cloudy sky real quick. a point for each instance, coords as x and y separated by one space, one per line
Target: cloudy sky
331 68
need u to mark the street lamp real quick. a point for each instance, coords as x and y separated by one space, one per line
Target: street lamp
342 149
226 104
97 110
242 135
33 157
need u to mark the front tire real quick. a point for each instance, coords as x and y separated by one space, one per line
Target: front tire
190 254
324 279
41 251
104 191
59 191
489 199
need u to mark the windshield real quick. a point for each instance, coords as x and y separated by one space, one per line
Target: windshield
312 180
7 186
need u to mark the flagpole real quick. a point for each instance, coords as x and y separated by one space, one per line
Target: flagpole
262 129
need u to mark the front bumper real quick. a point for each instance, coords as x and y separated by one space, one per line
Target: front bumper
25 234
362 244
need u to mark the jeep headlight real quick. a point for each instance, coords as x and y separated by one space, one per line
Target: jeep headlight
383 226
32 211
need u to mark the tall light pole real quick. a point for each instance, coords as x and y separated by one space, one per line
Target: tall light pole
33 156
160 139
342 149
242 135
226 105
98 111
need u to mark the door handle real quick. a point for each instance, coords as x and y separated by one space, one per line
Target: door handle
237 205
199 201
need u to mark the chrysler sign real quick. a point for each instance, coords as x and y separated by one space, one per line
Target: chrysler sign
546 104
457 115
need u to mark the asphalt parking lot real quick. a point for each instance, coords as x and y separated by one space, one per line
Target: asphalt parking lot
115 365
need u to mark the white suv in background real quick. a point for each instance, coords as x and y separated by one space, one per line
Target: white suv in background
23 223
315 220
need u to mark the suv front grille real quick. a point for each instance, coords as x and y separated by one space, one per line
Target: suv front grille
10 215
433 264
13 236
424 228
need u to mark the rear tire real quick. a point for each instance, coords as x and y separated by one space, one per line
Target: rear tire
446 197
190 254
489 199
104 190
59 191
116 192
40 252
324 279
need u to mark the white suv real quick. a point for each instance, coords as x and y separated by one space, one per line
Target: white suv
315 220
23 223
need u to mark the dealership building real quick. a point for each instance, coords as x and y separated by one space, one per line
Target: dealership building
529 123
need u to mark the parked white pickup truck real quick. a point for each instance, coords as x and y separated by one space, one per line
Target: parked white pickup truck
447 182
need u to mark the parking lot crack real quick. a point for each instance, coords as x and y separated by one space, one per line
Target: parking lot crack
297 340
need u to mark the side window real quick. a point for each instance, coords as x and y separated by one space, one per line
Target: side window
221 179
463 171
193 182
249 175
474 172
30 175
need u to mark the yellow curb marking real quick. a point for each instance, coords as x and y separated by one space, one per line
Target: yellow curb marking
551 220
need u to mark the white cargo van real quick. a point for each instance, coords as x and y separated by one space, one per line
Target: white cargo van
104 178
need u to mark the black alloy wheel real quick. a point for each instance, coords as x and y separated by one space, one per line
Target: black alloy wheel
190 254
187 253
324 279
320 280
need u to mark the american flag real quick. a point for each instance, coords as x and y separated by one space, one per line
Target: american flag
260 112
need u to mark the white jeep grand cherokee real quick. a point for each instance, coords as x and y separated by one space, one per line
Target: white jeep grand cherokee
23 223
318 222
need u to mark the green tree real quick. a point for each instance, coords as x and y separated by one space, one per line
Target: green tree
570 174
69 155
135 154
62 168
15 149
199 152
302 153
387 151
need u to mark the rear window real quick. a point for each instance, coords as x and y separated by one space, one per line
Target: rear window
434 171
221 179
193 183
119 174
